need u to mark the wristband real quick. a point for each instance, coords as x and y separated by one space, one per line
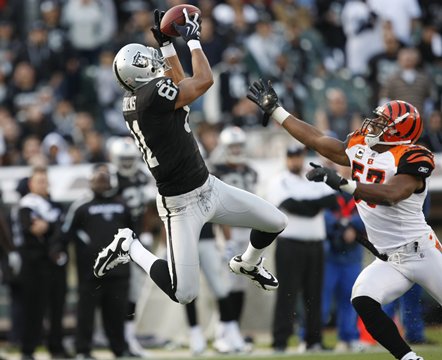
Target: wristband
350 187
280 114
168 50
194 44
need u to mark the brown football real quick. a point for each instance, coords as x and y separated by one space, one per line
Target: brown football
176 15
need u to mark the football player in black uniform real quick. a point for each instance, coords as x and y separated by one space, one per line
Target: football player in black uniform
133 185
156 111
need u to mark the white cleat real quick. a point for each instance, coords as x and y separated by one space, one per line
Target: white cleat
116 253
260 276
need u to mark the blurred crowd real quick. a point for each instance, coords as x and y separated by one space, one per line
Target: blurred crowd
331 63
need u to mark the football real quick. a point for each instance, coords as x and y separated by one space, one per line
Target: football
175 15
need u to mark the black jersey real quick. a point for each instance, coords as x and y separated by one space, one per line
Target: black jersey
133 190
242 177
164 137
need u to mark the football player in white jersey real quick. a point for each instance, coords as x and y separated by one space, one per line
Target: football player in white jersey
389 182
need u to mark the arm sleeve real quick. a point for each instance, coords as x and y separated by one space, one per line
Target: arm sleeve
418 162
308 208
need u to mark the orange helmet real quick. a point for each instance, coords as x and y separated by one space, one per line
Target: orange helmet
398 123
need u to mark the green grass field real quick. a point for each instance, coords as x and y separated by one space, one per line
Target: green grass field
263 352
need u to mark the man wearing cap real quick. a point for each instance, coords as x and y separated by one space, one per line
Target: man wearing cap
299 255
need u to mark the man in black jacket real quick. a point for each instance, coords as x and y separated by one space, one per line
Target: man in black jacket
90 222
43 273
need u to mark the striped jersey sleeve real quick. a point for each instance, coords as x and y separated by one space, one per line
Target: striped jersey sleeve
417 161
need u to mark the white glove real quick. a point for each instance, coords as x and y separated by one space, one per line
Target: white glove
14 262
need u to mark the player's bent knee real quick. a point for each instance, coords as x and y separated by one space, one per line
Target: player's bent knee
186 296
279 223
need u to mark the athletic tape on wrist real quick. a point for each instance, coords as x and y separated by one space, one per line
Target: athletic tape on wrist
280 114
168 50
194 44
350 187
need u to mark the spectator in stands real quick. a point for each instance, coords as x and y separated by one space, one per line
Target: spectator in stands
9 46
432 137
31 148
63 118
363 35
264 45
22 90
329 24
95 151
10 133
107 95
50 11
88 28
383 65
35 122
38 53
409 83
43 274
83 124
89 223
232 87
299 253
137 25
430 44
235 19
337 117
212 42
55 148
292 92
401 16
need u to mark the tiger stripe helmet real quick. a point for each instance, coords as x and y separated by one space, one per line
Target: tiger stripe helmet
398 123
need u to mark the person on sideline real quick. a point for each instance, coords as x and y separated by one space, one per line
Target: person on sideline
156 110
299 254
389 183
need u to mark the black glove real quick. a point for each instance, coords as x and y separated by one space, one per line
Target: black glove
191 30
327 175
265 97
161 38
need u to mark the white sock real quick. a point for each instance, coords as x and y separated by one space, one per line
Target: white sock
129 329
252 255
142 256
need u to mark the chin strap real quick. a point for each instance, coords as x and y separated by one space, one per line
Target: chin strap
375 140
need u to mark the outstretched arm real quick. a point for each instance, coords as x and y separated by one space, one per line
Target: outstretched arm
193 87
398 188
266 98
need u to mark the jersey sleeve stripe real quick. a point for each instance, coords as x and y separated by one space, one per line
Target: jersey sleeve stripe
421 158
